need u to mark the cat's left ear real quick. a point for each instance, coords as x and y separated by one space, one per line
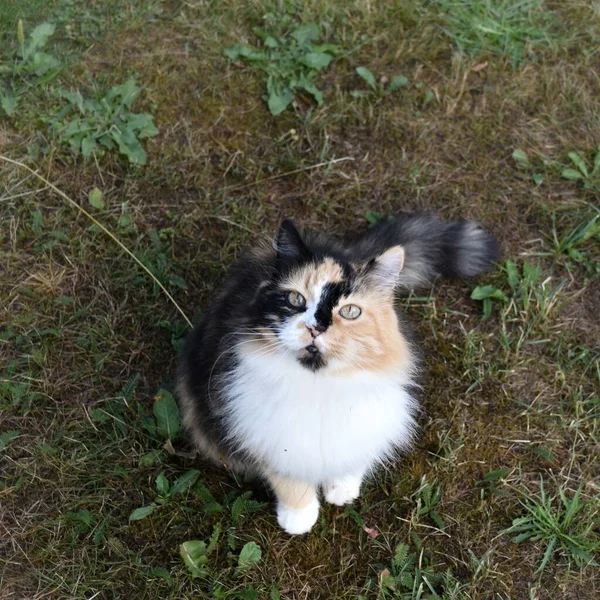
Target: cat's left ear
289 244
385 269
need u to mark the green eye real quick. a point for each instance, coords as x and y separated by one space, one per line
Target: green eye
350 312
296 299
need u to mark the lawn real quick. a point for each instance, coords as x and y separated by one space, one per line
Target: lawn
146 143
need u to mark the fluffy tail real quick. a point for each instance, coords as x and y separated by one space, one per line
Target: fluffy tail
432 247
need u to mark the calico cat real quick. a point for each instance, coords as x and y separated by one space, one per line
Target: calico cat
304 371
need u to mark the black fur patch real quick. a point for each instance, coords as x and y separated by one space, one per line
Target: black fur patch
330 296
312 361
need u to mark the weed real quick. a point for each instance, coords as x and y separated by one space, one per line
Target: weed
240 507
290 58
568 523
243 506
428 496
489 483
166 493
571 243
18 394
413 577
105 123
32 60
587 173
195 555
523 161
29 66
87 126
157 260
250 555
383 88
166 423
95 198
487 293
8 436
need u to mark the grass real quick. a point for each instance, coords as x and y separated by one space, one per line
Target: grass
569 526
512 28
482 126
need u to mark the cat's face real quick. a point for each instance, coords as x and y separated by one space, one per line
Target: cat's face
331 315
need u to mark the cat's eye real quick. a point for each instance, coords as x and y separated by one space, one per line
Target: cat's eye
350 312
296 299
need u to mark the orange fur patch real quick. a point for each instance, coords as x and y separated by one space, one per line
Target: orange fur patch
373 341
293 494
307 279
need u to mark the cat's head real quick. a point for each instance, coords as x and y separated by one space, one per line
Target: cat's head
331 314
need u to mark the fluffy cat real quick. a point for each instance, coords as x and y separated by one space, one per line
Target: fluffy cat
303 370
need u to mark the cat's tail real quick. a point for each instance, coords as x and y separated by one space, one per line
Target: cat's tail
433 247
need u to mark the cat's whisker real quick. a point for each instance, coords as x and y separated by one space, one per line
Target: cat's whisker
255 333
357 364
229 350
364 366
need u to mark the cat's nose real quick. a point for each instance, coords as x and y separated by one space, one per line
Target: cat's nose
315 330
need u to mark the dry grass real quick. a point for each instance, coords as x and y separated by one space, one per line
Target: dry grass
79 319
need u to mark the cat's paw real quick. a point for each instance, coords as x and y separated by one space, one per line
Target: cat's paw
343 490
297 520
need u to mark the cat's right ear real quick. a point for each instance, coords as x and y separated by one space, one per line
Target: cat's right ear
289 244
385 269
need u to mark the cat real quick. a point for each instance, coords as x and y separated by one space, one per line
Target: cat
304 371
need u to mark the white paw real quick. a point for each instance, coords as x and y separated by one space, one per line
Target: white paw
342 490
295 521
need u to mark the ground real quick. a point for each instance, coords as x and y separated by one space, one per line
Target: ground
497 98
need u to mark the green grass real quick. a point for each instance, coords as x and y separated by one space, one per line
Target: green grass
31 13
88 340
562 522
512 28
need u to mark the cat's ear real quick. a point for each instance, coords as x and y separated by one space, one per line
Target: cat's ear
384 270
289 244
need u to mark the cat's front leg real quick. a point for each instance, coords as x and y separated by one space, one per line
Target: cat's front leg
343 490
297 503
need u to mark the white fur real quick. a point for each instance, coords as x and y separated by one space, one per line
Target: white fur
297 521
316 427
311 306
343 490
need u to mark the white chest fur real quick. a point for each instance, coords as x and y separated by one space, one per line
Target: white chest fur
314 426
